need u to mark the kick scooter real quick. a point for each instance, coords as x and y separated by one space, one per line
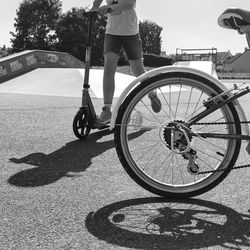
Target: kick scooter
86 118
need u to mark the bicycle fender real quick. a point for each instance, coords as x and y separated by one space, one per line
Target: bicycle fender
173 69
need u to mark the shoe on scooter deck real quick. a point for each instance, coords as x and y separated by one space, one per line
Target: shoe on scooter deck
100 126
103 126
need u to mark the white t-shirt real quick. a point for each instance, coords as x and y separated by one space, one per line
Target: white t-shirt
122 23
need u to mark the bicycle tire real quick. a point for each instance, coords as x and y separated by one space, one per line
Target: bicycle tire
141 159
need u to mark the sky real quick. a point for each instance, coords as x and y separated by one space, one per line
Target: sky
186 24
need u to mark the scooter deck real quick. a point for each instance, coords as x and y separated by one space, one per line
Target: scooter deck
95 125
103 126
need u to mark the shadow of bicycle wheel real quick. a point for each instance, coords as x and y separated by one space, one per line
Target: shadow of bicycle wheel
157 223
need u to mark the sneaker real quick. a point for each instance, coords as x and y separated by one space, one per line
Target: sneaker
105 116
155 101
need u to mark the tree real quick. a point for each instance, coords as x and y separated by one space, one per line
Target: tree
35 24
4 51
72 32
150 34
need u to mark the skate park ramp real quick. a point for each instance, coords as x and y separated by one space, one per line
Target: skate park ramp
206 66
66 82
52 73
23 62
40 72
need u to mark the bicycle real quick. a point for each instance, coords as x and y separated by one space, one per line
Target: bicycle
192 144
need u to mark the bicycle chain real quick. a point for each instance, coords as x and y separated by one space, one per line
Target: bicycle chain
222 123
224 169
219 123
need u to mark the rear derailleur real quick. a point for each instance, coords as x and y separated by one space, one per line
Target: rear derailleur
177 136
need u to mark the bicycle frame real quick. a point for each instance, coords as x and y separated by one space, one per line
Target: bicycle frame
217 103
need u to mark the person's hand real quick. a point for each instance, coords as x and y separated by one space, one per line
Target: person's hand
103 10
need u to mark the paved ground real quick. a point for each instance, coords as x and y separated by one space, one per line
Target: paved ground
61 193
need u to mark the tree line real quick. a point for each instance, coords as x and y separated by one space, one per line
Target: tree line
40 24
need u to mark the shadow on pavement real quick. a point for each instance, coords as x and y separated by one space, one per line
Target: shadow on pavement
75 156
158 223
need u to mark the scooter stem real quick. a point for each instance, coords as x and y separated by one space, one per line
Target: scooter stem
87 67
90 15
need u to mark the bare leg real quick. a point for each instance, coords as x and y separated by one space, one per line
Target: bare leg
110 64
137 67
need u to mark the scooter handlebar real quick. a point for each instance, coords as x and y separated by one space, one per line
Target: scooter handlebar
92 13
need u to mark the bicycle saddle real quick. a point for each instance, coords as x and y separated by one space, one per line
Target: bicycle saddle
234 18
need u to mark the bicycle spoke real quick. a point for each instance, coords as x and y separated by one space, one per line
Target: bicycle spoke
154 155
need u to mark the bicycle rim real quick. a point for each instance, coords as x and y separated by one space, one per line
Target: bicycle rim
144 151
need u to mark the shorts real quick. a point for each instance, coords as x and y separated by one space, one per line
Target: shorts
132 45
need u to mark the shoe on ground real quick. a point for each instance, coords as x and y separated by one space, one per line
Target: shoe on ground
155 102
105 116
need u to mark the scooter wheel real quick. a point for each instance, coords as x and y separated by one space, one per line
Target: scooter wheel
81 126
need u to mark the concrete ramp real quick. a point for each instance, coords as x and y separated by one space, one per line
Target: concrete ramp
28 60
62 82
206 66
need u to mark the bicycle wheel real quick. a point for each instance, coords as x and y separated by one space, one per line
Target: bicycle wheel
146 151
81 126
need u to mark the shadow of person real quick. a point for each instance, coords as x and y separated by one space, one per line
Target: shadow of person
75 156
157 223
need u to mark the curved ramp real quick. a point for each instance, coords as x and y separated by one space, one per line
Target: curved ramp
28 60
62 82
206 66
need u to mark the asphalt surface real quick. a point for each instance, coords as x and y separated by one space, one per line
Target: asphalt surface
61 193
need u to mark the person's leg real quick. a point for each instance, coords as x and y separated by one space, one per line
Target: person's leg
110 64
111 55
137 67
133 48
